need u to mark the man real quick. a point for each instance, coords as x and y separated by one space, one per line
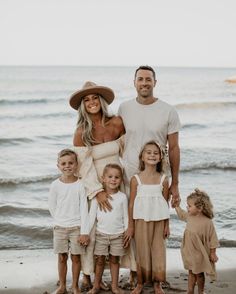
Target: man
149 118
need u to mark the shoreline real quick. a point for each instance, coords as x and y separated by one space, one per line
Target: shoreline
35 272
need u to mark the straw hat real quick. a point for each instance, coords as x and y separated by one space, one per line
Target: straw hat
91 88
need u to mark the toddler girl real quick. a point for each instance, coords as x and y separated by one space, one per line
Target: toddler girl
200 241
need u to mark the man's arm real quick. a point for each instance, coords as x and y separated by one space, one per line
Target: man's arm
174 158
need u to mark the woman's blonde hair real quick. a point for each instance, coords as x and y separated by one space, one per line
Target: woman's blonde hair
85 123
159 166
202 201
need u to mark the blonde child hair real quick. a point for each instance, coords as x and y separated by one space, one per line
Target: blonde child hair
202 201
113 165
65 152
159 167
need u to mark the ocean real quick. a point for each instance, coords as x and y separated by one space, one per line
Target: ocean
36 122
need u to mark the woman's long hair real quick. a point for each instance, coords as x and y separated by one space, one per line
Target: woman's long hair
85 123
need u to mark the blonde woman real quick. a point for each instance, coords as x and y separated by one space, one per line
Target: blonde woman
97 141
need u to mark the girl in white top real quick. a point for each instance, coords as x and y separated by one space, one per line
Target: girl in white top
149 217
110 228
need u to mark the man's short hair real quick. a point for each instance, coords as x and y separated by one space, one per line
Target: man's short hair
145 67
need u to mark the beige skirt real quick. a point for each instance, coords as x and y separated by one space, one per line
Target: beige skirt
150 250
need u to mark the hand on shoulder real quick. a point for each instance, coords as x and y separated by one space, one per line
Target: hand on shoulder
117 123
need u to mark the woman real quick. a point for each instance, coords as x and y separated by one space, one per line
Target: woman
97 143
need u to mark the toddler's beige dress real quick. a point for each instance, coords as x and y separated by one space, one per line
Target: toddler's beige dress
199 237
92 161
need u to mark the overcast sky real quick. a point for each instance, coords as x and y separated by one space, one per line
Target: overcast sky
118 32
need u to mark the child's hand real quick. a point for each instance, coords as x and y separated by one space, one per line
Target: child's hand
83 240
213 257
176 203
129 233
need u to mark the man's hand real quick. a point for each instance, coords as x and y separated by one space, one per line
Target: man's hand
174 193
129 233
103 201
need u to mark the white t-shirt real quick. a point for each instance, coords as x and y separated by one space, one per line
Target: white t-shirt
142 124
114 221
68 205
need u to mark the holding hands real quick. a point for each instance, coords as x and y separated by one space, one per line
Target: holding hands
83 240
174 192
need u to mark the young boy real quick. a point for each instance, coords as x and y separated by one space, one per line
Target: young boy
110 228
68 207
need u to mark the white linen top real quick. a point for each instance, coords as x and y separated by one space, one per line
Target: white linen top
68 205
144 123
114 221
149 203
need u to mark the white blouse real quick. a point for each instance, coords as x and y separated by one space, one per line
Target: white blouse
150 204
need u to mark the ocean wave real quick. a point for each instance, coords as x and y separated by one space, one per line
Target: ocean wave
209 166
228 214
20 237
37 116
27 180
7 210
193 126
15 141
30 101
206 105
19 140
14 236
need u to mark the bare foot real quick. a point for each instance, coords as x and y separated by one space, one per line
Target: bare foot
138 289
86 284
158 289
117 290
104 286
75 290
94 291
61 290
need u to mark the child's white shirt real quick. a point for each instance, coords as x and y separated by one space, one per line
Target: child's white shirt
68 205
110 222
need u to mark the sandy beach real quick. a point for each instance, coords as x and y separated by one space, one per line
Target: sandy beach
35 272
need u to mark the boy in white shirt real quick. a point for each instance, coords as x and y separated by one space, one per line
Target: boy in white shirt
110 228
69 209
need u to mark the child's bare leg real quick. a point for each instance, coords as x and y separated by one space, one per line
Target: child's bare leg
139 288
62 271
99 268
114 267
132 279
157 288
200 283
192 278
75 273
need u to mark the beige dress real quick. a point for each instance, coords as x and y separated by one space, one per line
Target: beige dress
92 161
199 237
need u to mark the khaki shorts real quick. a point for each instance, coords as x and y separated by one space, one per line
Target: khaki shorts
65 240
109 244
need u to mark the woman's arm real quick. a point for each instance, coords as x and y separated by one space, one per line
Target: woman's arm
77 140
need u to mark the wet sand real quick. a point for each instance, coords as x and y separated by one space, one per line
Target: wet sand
35 272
